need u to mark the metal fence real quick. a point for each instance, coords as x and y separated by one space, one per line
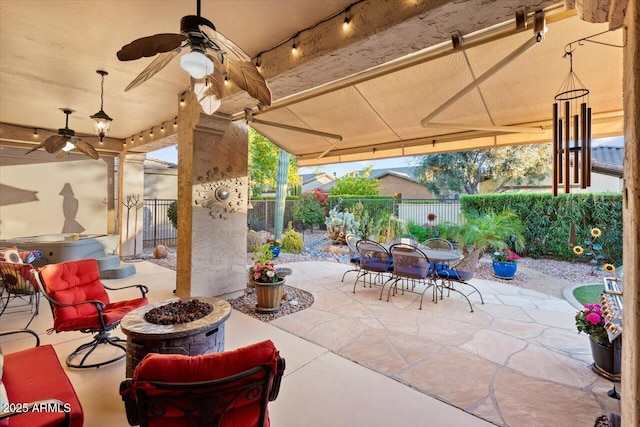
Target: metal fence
157 229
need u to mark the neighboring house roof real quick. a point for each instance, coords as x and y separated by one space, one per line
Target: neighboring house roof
409 173
607 159
158 164
310 177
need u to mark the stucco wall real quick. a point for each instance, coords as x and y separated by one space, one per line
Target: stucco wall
409 190
160 184
69 198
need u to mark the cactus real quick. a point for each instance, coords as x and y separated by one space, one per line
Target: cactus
339 224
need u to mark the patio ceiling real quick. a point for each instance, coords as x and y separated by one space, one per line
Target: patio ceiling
378 112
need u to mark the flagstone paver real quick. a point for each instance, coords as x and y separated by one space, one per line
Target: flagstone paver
516 361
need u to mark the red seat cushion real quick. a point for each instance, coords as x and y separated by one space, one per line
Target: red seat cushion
179 368
36 374
75 281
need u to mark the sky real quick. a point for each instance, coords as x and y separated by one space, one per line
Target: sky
170 154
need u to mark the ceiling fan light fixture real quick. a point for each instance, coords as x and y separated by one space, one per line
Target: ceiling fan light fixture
68 146
196 64
102 121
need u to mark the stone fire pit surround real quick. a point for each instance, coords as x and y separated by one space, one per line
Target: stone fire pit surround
201 336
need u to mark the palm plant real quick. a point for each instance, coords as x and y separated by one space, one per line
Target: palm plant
485 231
389 227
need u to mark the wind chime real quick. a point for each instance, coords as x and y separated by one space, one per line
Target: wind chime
571 132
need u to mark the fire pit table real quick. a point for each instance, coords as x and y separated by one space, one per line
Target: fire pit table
201 336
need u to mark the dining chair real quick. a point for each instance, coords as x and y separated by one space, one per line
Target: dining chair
18 283
412 265
458 274
354 255
375 261
438 243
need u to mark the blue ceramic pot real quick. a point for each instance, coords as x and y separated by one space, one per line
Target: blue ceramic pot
505 270
275 250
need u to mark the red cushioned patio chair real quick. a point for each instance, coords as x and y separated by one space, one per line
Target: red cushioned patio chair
79 302
225 389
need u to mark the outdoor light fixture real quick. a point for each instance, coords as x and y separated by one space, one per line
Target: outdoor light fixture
571 122
294 46
102 119
68 146
175 122
197 64
347 19
209 101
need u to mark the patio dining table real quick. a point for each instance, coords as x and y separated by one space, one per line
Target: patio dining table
434 255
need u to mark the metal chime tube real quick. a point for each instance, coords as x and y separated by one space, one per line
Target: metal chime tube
588 147
567 147
554 186
560 169
583 146
576 150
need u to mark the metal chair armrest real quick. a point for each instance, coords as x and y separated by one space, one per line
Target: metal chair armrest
21 331
130 406
277 379
143 289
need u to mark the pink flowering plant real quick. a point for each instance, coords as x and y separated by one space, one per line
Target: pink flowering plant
263 270
274 243
590 320
505 255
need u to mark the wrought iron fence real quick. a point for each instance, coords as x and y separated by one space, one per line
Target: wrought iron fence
157 229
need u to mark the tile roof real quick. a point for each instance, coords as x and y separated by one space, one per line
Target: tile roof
607 159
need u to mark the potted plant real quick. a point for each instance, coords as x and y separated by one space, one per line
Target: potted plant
591 321
274 246
265 279
505 263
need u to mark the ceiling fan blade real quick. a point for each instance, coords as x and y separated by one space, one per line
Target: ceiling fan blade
60 154
230 48
245 75
86 148
35 148
156 65
150 46
54 143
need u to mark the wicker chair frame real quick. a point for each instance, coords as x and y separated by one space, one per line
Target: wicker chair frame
19 283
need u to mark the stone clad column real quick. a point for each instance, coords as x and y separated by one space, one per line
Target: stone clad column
212 203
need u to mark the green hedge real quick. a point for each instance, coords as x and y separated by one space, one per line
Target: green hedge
547 220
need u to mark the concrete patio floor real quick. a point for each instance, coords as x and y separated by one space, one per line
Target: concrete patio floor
516 361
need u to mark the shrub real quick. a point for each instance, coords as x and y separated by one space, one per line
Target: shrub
420 232
389 227
292 240
309 209
172 213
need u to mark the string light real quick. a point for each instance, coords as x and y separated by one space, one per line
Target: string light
151 132
182 100
294 45
259 61
347 19
140 136
35 132
175 122
162 127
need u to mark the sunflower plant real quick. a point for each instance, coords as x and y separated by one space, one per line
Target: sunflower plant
594 251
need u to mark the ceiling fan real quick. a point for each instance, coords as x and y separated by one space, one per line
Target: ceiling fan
212 58
66 141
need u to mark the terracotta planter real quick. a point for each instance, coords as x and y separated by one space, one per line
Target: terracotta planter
269 296
505 270
604 360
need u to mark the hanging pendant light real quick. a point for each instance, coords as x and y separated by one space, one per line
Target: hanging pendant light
102 119
572 123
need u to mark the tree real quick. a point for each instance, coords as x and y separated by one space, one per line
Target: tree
263 164
462 172
309 209
356 183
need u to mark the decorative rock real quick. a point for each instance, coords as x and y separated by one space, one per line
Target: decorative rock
160 251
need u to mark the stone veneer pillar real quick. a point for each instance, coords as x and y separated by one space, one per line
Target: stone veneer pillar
132 187
212 233
631 220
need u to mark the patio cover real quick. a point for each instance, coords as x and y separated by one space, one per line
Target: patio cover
378 112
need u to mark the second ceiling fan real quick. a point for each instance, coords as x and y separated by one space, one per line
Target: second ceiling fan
212 57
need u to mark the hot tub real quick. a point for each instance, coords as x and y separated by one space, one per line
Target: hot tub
65 247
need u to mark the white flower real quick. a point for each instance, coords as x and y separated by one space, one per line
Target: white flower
270 273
